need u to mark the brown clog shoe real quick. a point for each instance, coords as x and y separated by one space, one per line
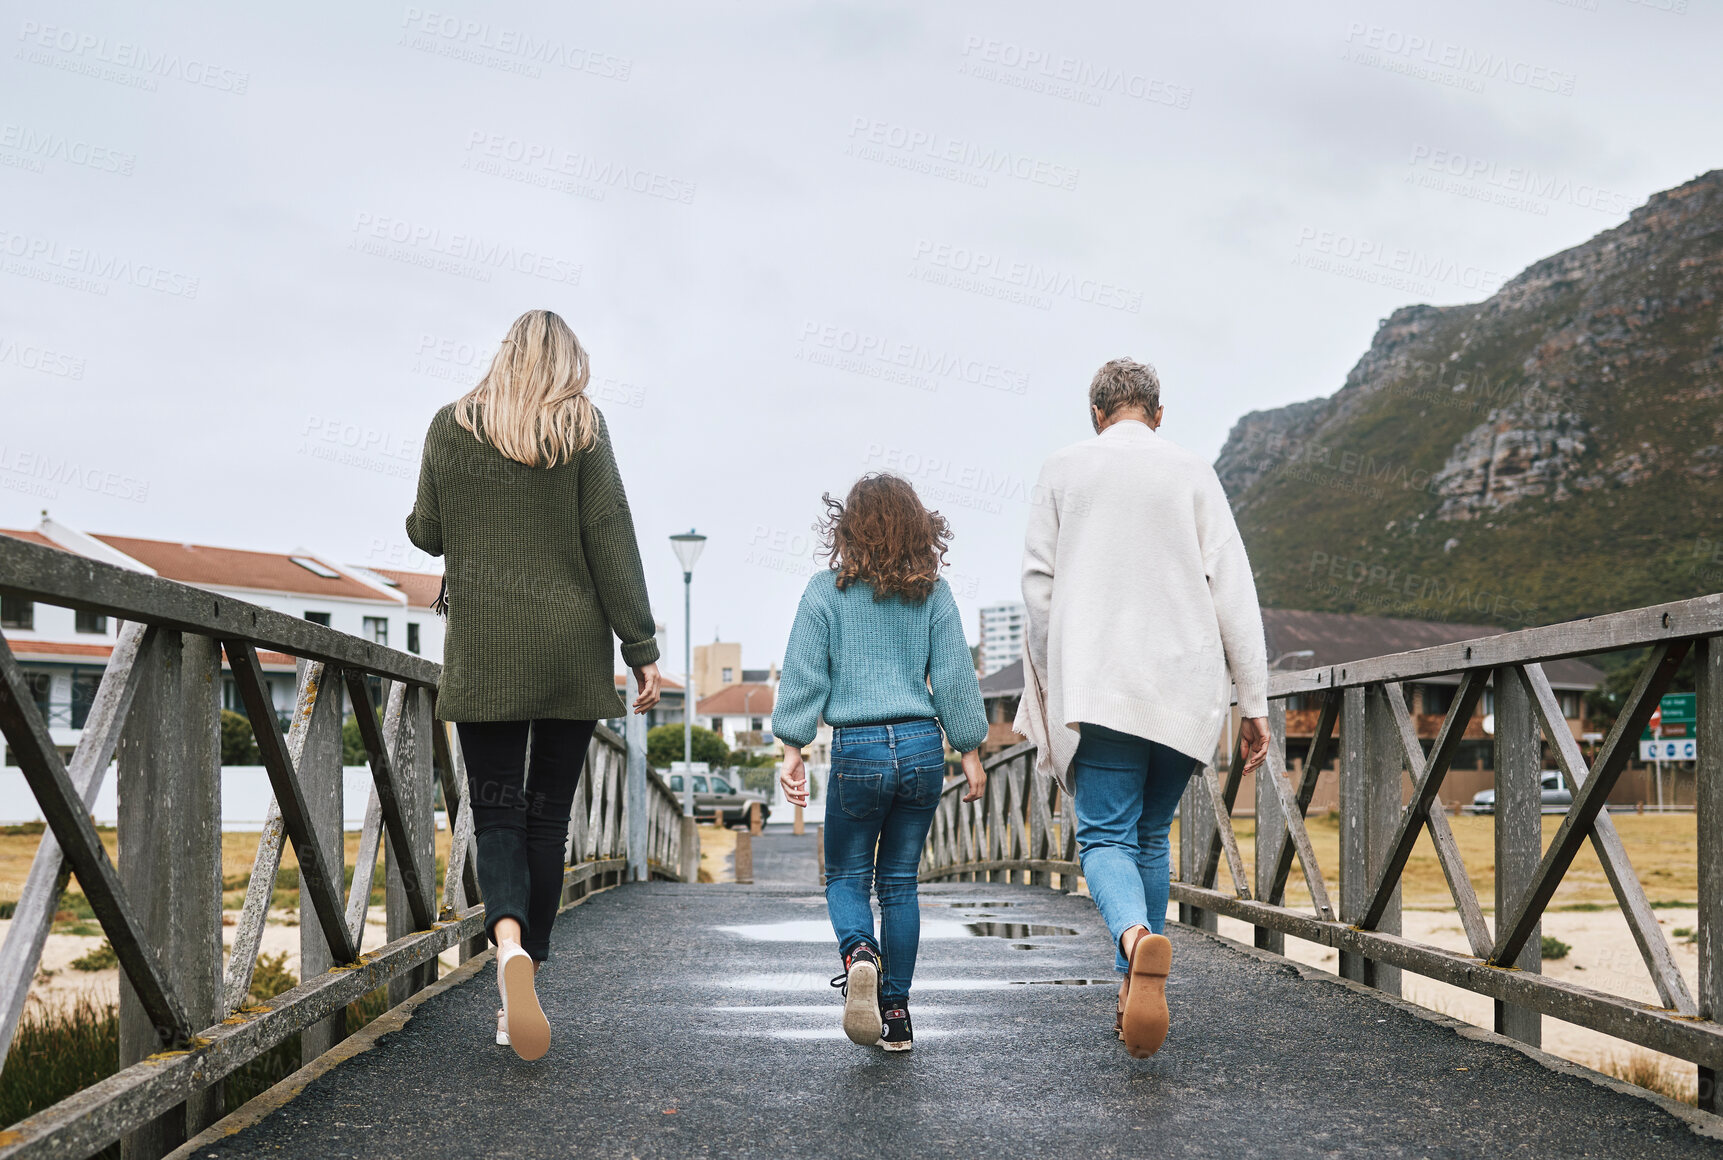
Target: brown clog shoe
1146 1017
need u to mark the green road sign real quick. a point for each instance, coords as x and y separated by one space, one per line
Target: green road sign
1679 707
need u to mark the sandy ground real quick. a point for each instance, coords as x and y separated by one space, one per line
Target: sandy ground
1603 957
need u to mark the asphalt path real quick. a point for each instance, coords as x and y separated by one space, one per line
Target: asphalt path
697 1021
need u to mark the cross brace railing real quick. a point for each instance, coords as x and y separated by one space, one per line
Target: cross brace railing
161 687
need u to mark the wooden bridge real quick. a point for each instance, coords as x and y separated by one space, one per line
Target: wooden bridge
695 1019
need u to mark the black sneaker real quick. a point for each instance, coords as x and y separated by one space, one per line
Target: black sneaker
899 1034
860 985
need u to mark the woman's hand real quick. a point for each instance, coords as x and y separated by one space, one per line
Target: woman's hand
795 777
974 774
1253 740
649 683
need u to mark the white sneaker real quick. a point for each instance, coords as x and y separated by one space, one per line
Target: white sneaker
528 1030
502 1028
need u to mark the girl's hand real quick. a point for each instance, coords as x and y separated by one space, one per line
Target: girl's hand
794 779
974 774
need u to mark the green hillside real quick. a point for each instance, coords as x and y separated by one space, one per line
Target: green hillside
1554 452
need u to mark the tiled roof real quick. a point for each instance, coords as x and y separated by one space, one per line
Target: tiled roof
420 588
32 537
752 699
1339 637
1005 682
61 650
236 568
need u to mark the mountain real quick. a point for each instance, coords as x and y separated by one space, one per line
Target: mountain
1553 452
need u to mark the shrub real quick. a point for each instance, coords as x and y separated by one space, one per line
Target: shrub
1554 948
664 745
271 977
8 907
100 958
58 1051
238 743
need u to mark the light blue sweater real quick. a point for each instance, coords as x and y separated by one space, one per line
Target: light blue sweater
855 660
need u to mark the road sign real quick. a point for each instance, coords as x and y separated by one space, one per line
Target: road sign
1666 750
1679 707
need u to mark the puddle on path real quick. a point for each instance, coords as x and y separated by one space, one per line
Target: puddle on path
967 905
807 981
1015 929
1063 982
820 931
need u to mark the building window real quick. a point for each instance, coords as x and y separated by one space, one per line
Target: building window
1439 698
757 724
84 686
41 686
1570 705
318 618
717 724
413 638
377 629
16 612
729 675
90 622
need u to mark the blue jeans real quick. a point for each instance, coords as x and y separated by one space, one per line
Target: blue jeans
885 783
1127 790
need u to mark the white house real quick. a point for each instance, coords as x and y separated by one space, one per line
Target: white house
64 653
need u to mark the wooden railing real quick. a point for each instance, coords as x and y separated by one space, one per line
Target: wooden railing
1012 834
185 1019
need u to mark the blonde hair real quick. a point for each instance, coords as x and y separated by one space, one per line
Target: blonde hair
532 405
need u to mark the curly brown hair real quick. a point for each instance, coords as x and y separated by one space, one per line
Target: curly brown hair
884 535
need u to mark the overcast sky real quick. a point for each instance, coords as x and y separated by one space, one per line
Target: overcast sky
247 254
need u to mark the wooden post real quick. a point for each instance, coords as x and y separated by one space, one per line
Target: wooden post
1519 833
798 827
411 761
1354 833
1708 771
169 790
319 768
754 823
634 736
744 857
1386 760
1270 826
690 850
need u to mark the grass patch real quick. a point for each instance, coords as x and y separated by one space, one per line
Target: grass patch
55 1053
100 958
8 907
1652 1073
1554 948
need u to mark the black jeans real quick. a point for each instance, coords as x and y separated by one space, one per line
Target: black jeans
520 814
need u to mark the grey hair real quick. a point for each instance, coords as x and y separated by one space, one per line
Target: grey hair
1125 382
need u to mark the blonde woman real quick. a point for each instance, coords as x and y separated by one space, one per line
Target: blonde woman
520 492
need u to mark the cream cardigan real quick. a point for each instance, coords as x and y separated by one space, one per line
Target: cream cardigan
1140 599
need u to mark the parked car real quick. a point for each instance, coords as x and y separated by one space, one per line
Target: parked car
717 796
1556 796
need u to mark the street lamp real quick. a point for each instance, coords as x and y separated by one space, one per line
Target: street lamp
1286 656
687 547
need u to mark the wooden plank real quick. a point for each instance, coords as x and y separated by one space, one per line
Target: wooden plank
1385 761
398 790
1659 624
1221 808
254 914
1300 806
1229 796
63 807
1653 1027
1040 818
1622 741
33 916
1271 832
364 868
91 1119
1606 842
317 752
1292 817
1426 810
1708 772
38 572
1518 833
315 874
409 880
169 834
1354 851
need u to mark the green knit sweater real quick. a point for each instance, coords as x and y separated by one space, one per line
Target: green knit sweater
542 568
